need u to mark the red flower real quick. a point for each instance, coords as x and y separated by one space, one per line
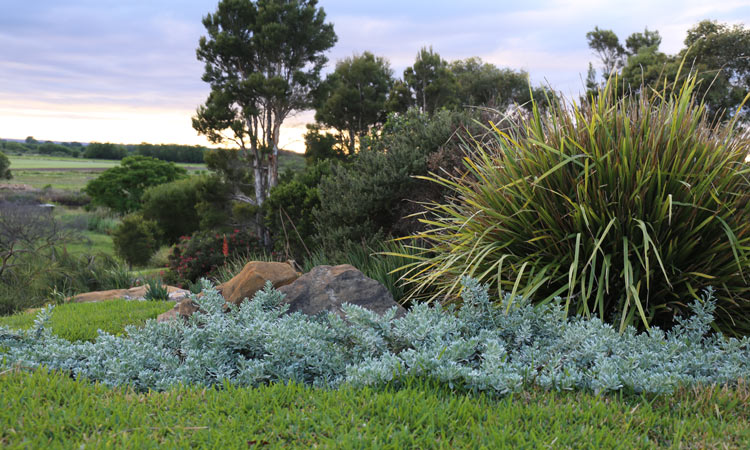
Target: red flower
225 248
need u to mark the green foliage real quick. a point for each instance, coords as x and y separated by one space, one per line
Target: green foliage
172 206
719 53
639 41
172 152
289 211
98 150
81 321
352 98
607 46
626 207
370 194
121 187
36 276
136 239
202 253
480 348
716 54
430 81
483 84
280 47
322 146
5 167
156 290
61 411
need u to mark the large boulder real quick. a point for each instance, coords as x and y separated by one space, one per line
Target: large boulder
326 288
135 293
253 277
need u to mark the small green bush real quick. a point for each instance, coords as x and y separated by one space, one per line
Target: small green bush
136 239
172 207
156 290
5 167
626 207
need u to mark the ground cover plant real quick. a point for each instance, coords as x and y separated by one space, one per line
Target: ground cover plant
625 207
480 348
42 409
81 321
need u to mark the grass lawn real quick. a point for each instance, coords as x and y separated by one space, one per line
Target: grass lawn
80 321
50 410
91 243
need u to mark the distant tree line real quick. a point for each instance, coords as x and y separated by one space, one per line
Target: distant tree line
106 150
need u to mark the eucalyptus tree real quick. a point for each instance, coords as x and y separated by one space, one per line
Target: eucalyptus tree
262 60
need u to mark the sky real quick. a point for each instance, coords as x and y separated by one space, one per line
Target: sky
125 70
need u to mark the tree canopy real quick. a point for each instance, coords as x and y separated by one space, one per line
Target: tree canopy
352 98
262 60
121 187
717 53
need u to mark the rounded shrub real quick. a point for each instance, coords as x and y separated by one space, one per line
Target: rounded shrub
136 239
624 207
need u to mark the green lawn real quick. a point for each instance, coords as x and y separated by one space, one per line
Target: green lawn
80 321
51 410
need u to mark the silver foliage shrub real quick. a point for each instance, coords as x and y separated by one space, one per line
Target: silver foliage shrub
481 346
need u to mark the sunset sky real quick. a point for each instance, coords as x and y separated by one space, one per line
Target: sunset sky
125 70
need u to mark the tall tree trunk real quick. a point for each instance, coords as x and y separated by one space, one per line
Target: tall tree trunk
351 141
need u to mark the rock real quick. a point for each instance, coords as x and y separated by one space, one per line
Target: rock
253 277
134 293
183 309
326 288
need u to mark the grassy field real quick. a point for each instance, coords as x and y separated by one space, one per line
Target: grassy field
74 173
69 163
50 410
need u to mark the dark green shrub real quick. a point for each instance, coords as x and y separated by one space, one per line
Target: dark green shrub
289 212
184 206
121 187
99 150
172 207
370 195
136 239
200 254
5 167
626 208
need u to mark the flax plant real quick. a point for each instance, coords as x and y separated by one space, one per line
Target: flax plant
622 207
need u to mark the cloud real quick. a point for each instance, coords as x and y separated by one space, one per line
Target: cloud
79 58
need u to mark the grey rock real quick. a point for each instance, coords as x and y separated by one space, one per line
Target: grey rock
326 288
